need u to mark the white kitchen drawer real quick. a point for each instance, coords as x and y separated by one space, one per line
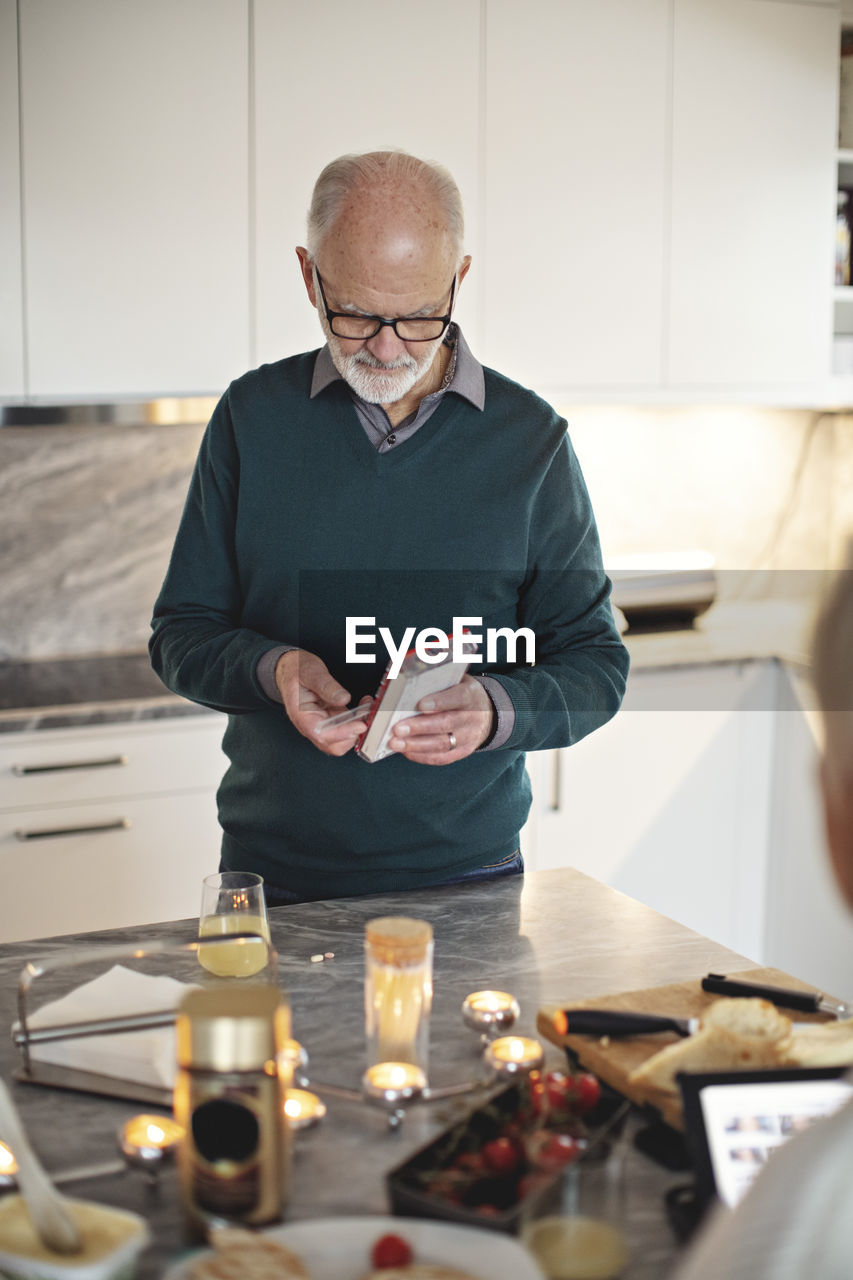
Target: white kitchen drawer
149 870
149 757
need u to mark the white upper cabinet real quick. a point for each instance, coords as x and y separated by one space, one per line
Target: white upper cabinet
336 77
136 195
11 302
660 195
575 161
755 111
649 185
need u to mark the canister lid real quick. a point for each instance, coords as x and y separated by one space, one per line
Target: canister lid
398 939
230 1029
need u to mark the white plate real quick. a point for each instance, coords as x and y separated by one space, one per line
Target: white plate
339 1248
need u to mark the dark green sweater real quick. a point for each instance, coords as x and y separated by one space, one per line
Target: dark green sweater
294 522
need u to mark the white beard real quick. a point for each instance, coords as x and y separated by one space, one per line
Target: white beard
372 379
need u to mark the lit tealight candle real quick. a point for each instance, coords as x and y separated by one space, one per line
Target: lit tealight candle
303 1108
147 1140
393 1082
512 1054
490 1012
8 1166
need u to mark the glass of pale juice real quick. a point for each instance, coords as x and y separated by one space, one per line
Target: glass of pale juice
575 1228
234 917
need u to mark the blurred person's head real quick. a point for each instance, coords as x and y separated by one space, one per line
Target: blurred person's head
833 678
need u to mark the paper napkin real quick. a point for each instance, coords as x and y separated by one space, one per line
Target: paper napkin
140 1057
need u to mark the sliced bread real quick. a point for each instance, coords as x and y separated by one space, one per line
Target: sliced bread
822 1044
733 1035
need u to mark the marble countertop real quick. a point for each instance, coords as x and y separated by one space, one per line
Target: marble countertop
62 692
549 937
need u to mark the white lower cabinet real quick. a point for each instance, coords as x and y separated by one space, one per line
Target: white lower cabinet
106 827
808 928
699 799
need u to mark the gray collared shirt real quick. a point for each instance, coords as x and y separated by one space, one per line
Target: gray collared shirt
464 377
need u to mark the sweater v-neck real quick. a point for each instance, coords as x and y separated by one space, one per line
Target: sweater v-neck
365 452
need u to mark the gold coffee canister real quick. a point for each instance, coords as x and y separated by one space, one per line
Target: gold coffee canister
234 1158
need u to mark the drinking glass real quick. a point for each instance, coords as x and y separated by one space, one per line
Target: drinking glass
575 1228
233 907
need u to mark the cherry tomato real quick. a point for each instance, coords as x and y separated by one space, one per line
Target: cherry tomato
391 1251
501 1155
556 1150
558 1089
587 1092
578 1093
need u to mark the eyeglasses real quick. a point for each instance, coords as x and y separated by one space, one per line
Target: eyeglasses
350 324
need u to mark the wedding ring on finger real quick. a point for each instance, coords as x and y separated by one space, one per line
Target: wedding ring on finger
452 744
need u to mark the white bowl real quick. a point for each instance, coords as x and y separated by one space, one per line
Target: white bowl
23 1257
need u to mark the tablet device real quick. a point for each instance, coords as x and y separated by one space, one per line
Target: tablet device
734 1121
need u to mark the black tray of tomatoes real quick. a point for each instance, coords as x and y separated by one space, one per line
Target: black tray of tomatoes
481 1170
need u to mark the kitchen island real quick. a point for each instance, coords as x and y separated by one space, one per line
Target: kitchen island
550 937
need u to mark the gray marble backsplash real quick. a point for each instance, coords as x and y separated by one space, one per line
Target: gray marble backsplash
88 513
88 518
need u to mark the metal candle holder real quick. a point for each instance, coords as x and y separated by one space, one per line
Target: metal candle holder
146 1142
303 1109
492 1013
514 1055
295 1055
392 1085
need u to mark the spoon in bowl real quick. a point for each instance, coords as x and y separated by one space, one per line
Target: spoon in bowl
47 1208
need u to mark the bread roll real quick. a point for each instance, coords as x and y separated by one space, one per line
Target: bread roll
747 1017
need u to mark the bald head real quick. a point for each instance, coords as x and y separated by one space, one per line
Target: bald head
410 189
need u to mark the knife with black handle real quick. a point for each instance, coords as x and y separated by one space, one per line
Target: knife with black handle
805 1001
615 1023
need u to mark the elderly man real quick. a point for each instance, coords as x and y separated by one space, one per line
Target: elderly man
795 1220
390 477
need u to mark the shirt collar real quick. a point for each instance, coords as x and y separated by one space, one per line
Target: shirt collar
468 378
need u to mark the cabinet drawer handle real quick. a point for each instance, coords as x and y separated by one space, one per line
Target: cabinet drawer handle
22 770
47 833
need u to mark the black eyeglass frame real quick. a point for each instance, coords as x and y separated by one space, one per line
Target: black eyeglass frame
331 316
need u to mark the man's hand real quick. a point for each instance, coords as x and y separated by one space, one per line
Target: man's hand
311 696
452 725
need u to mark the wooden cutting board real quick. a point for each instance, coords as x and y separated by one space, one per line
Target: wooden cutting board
613 1060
